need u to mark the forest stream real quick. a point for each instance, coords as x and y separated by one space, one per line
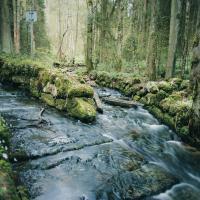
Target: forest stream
125 154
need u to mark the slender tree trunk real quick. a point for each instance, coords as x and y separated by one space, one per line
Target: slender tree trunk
16 25
77 23
6 36
120 36
60 31
152 44
89 48
186 35
173 37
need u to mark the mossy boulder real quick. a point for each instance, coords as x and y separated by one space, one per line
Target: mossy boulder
48 99
161 95
151 99
166 103
80 90
152 87
180 107
136 98
156 112
176 82
169 120
35 88
21 80
61 104
82 109
62 83
165 86
50 89
142 92
185 84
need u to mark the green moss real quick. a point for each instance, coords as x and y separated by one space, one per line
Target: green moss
21 80
161 95
50 89
185 84
166 103
150 99
142 92
4 132
62 85
80 90
35 88
165 86
136 98
169 120
152 87
61 104
5 167
156 112
23 193
7 187
176 82
82 109
180 107
48 99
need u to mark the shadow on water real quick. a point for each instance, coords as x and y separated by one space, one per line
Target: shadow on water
125 154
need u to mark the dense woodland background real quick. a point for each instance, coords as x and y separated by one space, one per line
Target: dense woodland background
149 37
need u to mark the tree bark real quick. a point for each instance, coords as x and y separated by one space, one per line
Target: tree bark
186 40
152 44
173 37
5 29
120 36
89 50
16 25
194 126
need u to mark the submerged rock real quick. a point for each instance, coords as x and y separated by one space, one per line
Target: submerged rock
138 184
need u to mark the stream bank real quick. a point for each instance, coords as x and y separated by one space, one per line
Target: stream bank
170 101
8 188
50 85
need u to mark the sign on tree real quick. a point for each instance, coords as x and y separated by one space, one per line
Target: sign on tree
31 16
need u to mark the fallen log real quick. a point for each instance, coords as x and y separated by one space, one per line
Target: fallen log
120 102
98 103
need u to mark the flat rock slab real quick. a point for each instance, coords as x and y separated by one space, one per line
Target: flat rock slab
120 102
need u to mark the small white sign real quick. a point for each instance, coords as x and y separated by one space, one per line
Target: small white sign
31 16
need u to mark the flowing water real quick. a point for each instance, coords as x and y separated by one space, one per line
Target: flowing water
125 154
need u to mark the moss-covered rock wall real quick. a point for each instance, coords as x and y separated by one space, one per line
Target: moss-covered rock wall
170 101
50 85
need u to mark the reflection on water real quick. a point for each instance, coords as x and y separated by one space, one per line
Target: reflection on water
125 154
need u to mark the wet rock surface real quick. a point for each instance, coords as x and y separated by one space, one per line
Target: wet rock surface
170 101
125 154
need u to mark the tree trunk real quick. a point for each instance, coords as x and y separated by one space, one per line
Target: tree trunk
120 36
103 27
77 24
89 50
194 126
5 29
173 37
152 44
16 25
186 39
